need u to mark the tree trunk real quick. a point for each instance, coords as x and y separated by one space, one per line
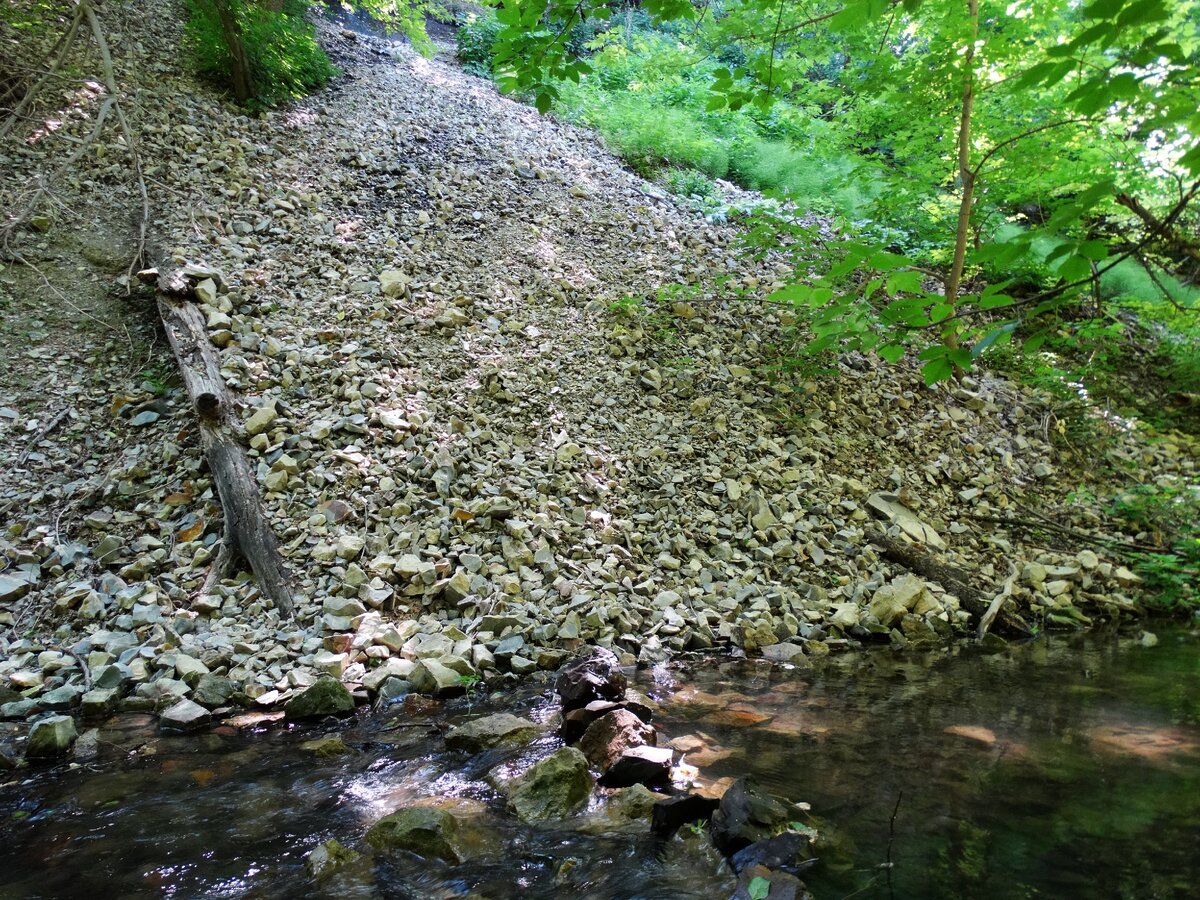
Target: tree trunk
240 78
966 176
951 577
248 534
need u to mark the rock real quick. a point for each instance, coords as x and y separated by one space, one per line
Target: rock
499 730
213 691
325 747
98 702
889 508
640 765
554 788
760 883
13 587
784 653
261 419
593 675
576 722
683 809
51 738
609 736
327 858
184 716
325 697
189 669
896 598
393 283
783 851
744 817
431 677
423 830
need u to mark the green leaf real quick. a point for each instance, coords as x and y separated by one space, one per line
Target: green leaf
759 888
543 102
937 370
904 282
891 352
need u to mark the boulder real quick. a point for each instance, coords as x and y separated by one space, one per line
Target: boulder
184 716
554 788
431 677
51 738
683 809
640 765
499 730
611 735
327 858
593 675
423 830
325 697
892 601
745 816
213 691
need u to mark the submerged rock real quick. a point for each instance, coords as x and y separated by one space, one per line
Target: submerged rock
423 830
499 730
554 788
51 738
326 858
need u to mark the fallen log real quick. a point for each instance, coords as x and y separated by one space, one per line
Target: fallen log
954 579
248 535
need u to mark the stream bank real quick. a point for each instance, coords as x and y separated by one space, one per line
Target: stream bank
1069 766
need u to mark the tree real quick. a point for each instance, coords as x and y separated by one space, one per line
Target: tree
1087 113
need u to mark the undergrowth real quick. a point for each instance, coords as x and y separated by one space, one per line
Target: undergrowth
286 61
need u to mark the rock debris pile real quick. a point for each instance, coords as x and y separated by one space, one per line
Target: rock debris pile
473 464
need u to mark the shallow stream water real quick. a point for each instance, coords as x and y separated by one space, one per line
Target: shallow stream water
1066 767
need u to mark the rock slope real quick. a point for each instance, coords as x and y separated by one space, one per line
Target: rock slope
473 462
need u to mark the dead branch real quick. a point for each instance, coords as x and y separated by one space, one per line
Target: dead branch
248 535
59 53
954 579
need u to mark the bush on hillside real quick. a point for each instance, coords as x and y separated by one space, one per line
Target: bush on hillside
476 38
285 59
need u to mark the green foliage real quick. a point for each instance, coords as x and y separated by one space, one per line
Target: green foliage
857 109
1168 515
759 888
690 183
476 40
286 61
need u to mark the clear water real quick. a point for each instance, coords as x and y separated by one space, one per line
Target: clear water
1068 767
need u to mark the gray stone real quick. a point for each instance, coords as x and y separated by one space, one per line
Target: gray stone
423 830
431 677
325 697
184 716
554 788
498 730
51 738
213 691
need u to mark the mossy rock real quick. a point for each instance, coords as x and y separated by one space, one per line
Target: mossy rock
326 697
554 788
423 830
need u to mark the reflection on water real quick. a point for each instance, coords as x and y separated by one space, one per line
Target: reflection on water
1063 768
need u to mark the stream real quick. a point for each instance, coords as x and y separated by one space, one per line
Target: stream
1065 767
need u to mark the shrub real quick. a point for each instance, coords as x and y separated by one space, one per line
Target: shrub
690 183
476 38
285 59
